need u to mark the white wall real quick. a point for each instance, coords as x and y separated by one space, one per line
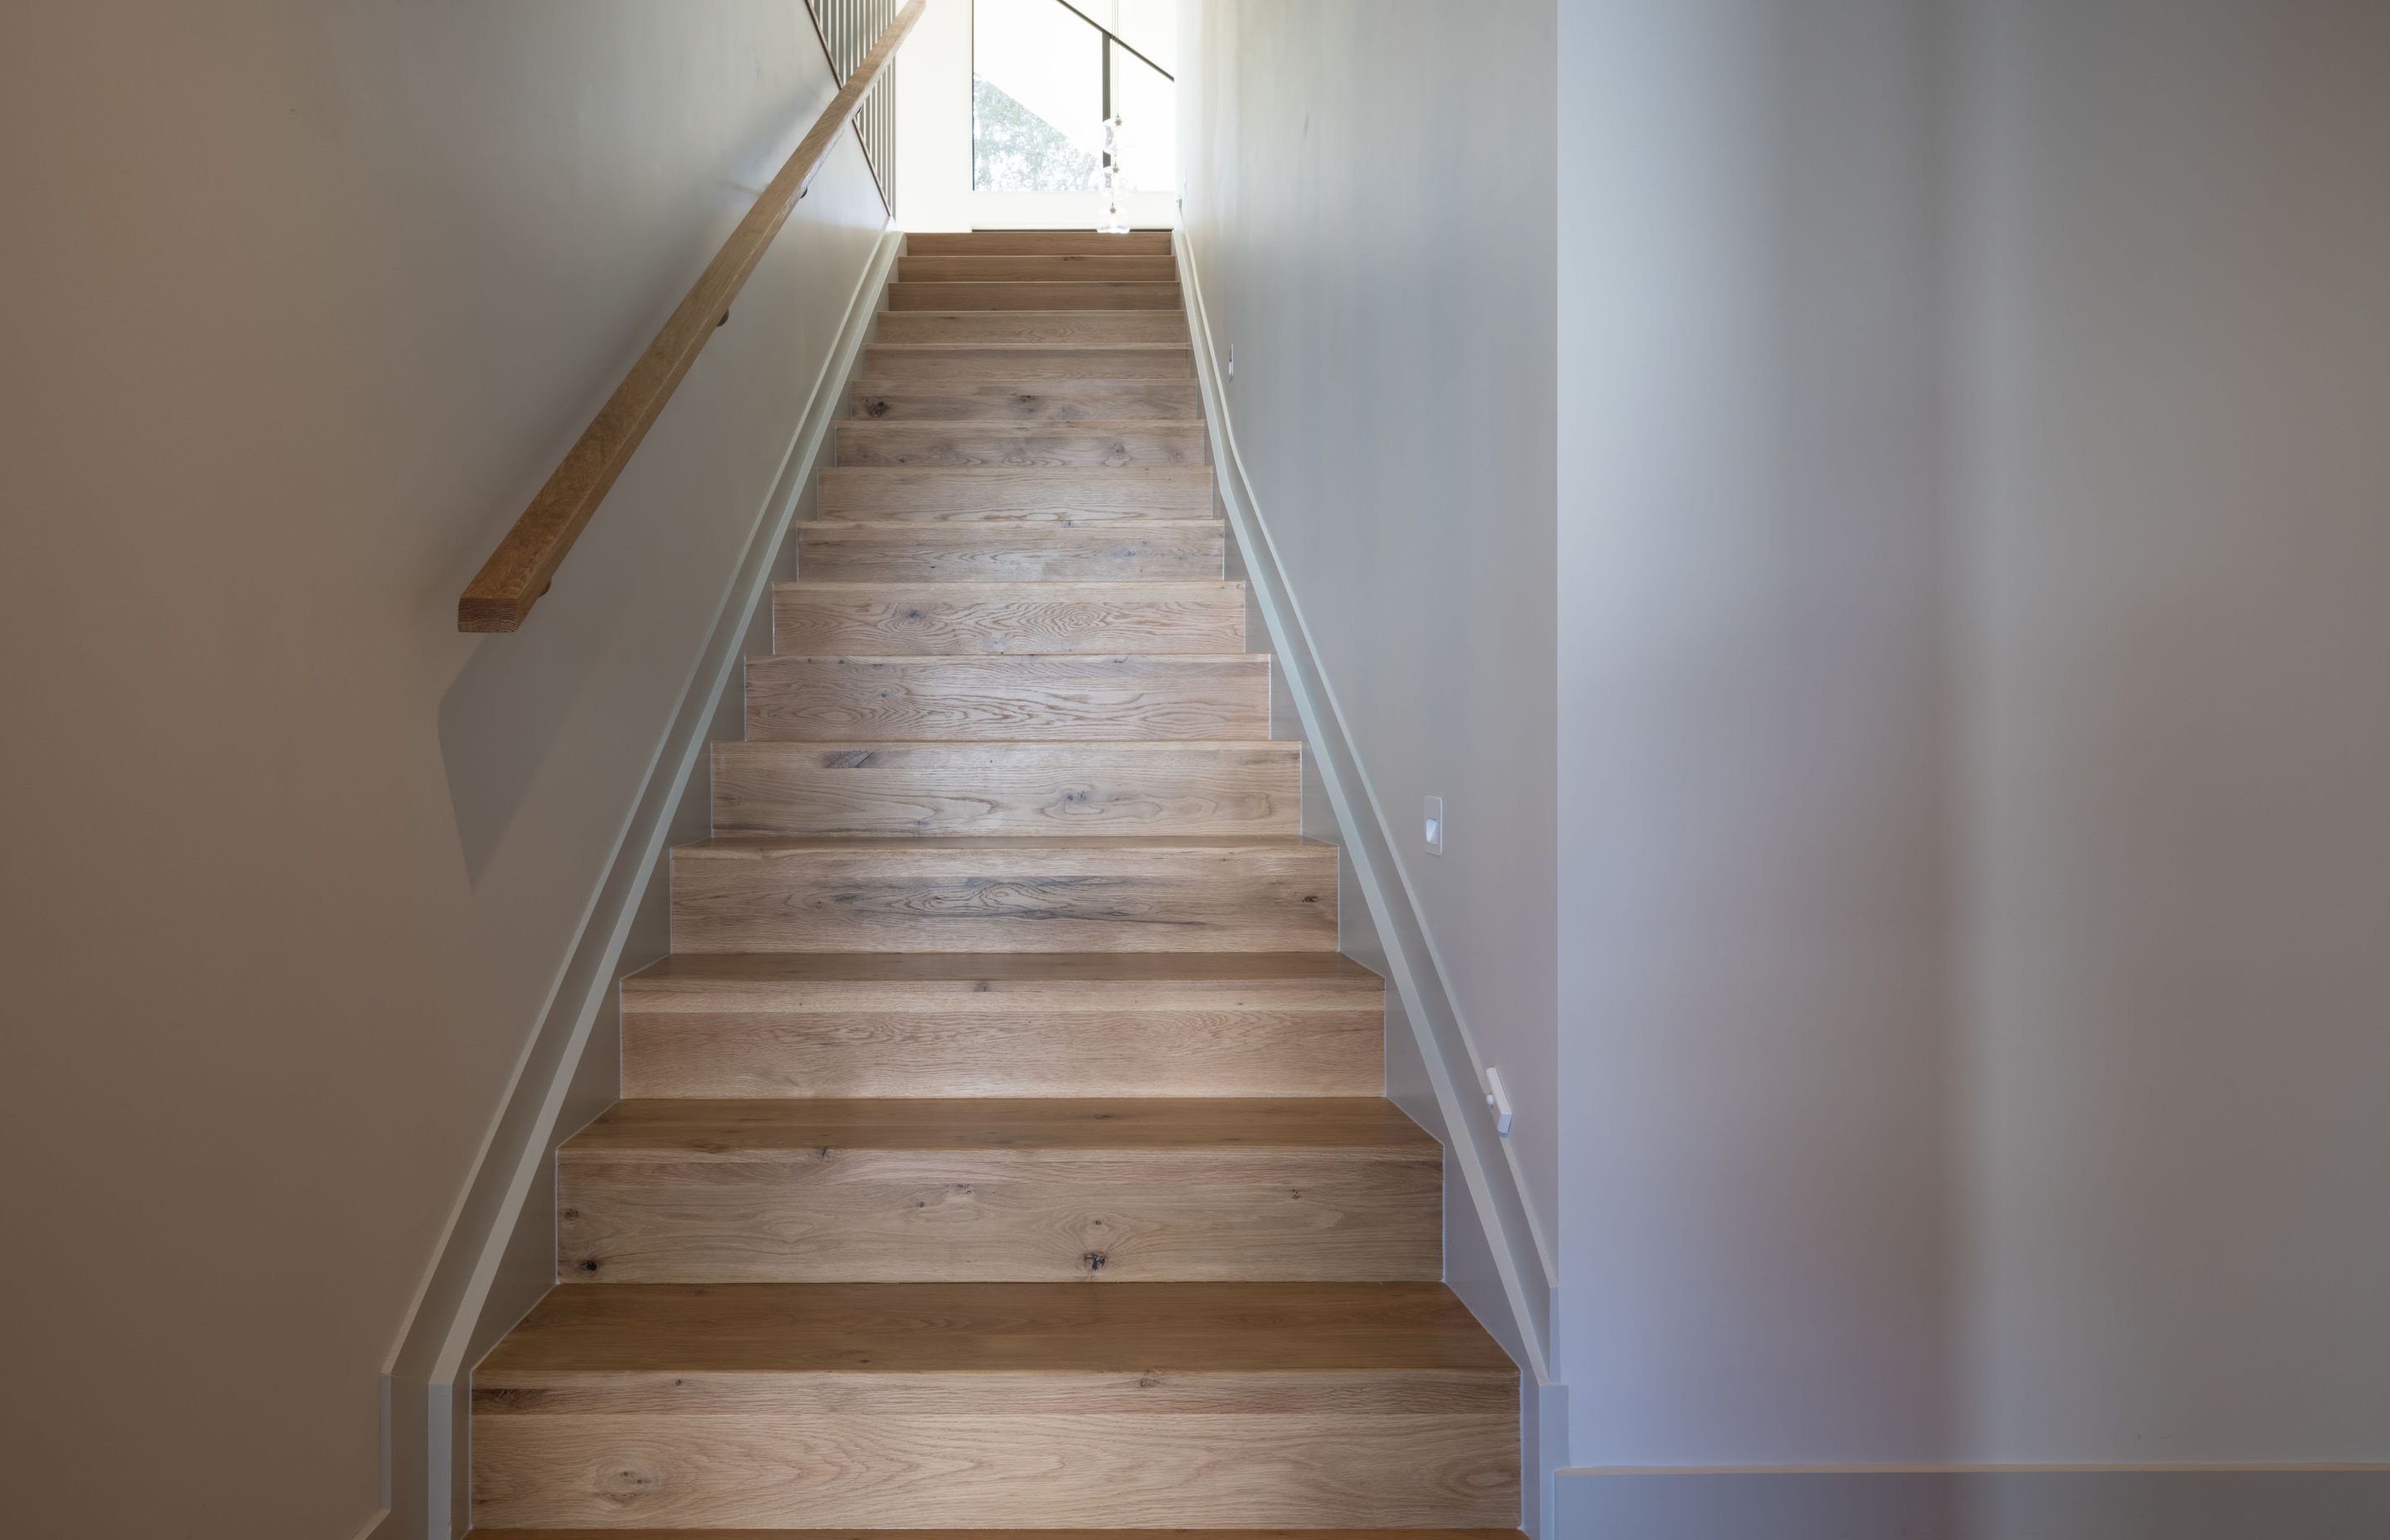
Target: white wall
1751 998
1976 805
301 304
1384 274
2173 235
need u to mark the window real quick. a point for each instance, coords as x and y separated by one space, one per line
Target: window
1043 76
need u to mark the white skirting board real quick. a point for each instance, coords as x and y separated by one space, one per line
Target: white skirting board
499 1253
1494 1260
2211 1502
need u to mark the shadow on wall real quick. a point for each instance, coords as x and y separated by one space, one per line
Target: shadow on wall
499 722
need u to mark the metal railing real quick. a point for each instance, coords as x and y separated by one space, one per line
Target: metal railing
848 28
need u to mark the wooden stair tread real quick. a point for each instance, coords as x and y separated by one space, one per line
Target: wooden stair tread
1075 551
970 442
1175 662
1032 429
986 979
1058 591
1028 398
953 1533
935 242
753 846
890 1329
892 528
917 350
743 1129
984 972
1014 493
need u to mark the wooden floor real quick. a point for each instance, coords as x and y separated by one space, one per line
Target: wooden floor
1003 1152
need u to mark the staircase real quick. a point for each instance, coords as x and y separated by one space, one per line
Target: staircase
1002 1144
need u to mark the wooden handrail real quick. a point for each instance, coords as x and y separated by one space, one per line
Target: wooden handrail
525 562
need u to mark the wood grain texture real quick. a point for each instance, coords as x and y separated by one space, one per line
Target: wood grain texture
986 1405
982 1031
803 1192
1033 296
987 552
933 243
1005 1154
924 364
1085 1054
638 1334
817 618
902 789
956 1533
982 1469
1091 328
671 1134
520 569
878 493
1084 894
801 981
860 700
1029 401
1021 444
1038 267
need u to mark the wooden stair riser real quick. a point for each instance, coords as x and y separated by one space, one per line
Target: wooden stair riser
1046 267
1091 329
949 367
1040 1465
913 551
1130 1049
970 243
883 619
996 1215
971 1406
1033 296
1028 401
859 699
1106 1025
901 789
866 442
1041 496
1267 897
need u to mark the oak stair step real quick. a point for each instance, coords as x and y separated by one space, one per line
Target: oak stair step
911 790
1037 328
1036 267
1028 400
1028 697
1041 493
930 243
1055 1024
984 1189
912 550
950 1532
1151 1405
818 618
950 366
1047 893
1165 441
1033 296
889 790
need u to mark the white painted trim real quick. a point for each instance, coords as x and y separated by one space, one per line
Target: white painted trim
1414 969
426 1372
1978 1502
